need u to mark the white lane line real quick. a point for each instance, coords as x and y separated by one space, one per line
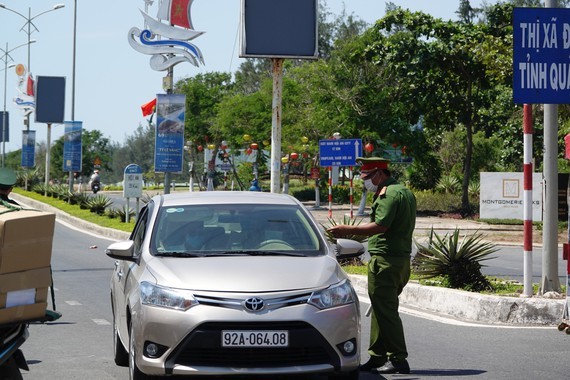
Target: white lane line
454 322
101 322
73 303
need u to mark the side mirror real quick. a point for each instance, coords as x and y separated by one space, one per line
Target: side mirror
121 250
348 249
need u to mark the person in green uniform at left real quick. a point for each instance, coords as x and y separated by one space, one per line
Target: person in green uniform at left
7 182
390 231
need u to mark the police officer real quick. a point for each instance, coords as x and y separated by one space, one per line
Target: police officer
7 182
390 230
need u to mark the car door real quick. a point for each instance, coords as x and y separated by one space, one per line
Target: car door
123 275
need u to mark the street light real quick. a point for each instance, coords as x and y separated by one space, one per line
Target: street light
6 58
29 23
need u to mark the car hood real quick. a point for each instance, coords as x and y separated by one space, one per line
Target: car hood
246 274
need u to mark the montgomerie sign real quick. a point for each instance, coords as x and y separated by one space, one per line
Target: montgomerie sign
541 55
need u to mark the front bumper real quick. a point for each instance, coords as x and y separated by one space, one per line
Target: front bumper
192 340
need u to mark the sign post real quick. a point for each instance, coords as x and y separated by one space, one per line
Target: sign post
132 187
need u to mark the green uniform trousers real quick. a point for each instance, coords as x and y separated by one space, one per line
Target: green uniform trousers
386 280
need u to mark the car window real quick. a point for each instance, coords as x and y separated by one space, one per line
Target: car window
235 228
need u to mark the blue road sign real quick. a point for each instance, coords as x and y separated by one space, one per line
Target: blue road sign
342 152
541 55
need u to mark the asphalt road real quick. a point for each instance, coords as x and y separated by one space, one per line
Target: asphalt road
79 345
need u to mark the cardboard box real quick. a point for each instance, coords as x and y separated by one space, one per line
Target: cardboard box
26 238
29 289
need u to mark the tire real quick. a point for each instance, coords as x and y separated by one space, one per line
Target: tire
10 371
120 354
134 372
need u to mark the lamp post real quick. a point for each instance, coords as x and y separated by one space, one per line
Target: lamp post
6 58
27 28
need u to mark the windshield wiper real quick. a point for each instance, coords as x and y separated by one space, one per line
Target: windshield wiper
179 254
268 253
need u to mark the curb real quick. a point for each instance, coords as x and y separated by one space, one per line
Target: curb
475 307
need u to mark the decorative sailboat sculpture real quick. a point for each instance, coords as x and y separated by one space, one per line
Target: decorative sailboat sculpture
165 38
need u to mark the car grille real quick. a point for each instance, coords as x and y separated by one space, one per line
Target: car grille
203 348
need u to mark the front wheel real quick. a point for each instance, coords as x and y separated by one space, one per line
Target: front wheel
10 370
134 371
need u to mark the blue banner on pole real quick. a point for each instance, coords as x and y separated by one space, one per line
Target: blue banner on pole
541 55
28 149
72 146
169 146
4 126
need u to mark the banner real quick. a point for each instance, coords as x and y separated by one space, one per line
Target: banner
4 126
169 146
28 149
72 146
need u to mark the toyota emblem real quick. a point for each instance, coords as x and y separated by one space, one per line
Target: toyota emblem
254 304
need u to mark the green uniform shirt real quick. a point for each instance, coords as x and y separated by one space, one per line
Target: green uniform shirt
395 208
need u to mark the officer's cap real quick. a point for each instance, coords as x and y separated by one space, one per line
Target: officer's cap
369 165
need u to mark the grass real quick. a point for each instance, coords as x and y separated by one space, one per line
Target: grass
77 212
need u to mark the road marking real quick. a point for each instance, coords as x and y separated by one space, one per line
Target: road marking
452 321
101 322
73 303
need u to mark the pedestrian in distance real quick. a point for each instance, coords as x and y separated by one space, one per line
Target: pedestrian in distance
7 182
390 231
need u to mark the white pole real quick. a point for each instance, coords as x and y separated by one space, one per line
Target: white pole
276 124
527 201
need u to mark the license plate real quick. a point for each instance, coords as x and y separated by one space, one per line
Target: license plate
255 338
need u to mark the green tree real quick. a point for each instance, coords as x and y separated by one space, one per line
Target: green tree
444 70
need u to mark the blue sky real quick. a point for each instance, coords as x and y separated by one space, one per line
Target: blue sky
112 80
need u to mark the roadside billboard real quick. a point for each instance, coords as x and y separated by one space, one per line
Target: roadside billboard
501 196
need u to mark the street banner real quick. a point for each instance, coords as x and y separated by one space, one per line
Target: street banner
169 146
72 147
4 126
28 149
541 55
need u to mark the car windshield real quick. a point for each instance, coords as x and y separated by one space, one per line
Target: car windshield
234 229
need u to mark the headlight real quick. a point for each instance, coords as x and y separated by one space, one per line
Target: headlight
154 295
335 295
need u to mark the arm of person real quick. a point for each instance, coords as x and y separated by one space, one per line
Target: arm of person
366 229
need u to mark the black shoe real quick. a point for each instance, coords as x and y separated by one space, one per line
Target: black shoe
373 363
400 366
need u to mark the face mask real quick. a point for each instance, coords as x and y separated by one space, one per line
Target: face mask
370 186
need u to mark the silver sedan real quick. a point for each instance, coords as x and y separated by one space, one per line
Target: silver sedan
240 283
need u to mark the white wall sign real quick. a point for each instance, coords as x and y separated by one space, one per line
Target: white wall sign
501 196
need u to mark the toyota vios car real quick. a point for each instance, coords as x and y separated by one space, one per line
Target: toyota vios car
232 283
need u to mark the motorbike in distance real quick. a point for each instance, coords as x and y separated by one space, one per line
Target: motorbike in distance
95 187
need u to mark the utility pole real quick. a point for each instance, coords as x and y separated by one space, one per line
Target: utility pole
550 280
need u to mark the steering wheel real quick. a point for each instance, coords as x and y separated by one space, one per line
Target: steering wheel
275 244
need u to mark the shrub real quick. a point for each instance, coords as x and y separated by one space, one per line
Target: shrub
448 184
458 262
99 203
